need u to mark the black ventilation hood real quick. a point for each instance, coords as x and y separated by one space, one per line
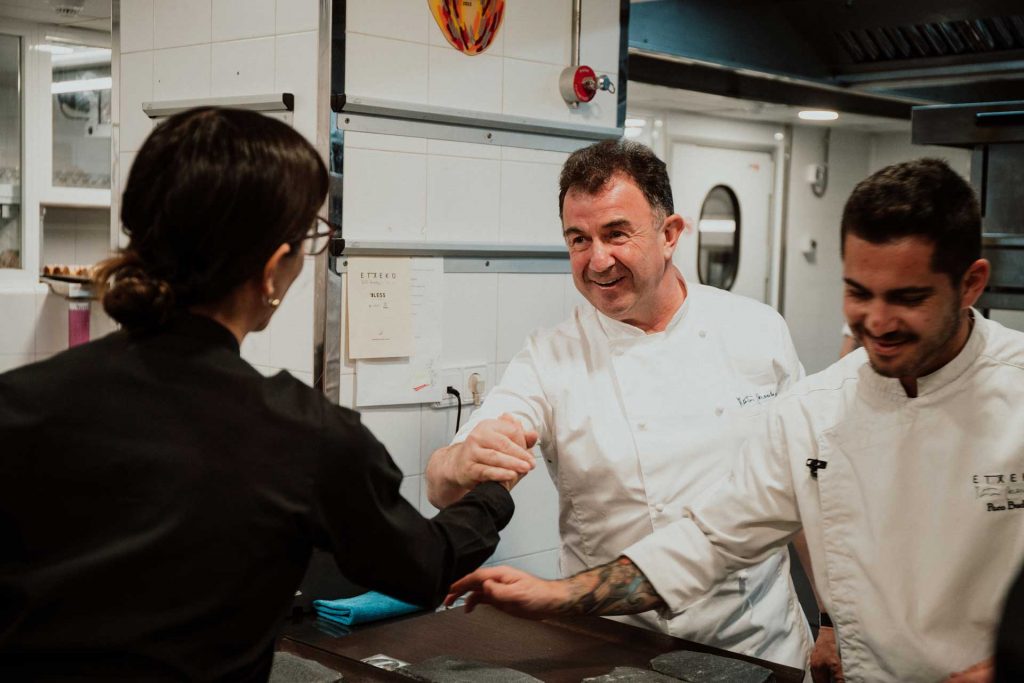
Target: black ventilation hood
867 51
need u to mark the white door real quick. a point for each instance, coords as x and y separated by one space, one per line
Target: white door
695 171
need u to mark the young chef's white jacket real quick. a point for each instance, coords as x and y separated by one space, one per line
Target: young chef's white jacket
915 523
636 426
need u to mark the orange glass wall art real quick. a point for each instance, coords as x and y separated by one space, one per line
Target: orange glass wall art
469 25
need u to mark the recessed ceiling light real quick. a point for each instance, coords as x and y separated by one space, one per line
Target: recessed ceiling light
636 123
818 115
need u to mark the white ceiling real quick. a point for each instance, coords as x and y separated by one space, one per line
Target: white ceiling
95 15
645 96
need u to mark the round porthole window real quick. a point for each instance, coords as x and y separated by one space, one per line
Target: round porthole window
718 238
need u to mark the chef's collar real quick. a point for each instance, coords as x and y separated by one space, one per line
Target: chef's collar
616 329
948 373
202 327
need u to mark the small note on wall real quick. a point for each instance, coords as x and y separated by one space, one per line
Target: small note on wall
379 308
412 378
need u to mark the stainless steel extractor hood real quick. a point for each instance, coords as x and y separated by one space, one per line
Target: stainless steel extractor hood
920 51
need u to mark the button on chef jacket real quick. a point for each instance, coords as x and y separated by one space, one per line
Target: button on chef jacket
915 525
634 427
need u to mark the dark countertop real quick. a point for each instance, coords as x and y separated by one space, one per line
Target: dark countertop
554 650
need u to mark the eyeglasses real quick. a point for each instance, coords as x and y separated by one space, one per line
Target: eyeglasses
319 238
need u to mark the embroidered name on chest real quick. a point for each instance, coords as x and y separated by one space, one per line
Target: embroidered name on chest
756 397
999 492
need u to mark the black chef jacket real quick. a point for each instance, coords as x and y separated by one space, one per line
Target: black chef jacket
159 500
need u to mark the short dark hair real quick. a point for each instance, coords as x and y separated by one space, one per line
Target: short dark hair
211 195
590 168
920 198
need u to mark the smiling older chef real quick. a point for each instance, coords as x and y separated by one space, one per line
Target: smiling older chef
641 399
903 462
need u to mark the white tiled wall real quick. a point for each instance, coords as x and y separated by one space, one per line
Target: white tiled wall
404 188
518 74
185 49
35 325
401 188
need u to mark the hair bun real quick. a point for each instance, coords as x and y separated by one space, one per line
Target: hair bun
136 299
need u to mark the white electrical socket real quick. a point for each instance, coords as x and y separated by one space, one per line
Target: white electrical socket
459 377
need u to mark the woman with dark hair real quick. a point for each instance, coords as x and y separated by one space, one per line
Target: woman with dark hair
159 497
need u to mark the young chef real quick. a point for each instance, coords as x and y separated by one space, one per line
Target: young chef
903 463
640 399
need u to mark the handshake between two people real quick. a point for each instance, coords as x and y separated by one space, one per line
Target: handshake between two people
496 450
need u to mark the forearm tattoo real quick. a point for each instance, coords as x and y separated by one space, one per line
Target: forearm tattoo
618 587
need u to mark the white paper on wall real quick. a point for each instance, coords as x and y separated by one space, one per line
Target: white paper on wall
412 379
379 307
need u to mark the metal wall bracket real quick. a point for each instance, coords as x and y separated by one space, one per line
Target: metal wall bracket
470 258
276 102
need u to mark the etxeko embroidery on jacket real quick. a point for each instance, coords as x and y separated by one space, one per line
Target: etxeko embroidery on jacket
1000 492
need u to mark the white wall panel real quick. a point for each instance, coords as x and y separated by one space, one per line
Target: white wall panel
543 564
291 328
136 88
18 311
293 55
182 22
462 199
525 304
297 15
813 306
470 318
59 246
531 89
389 69
396 19
539 30
234 19
398 428
392 195
385 143
529 203
52 323
242 67
540 156
599 40
463 149
464 82
181 73
534 526
136 25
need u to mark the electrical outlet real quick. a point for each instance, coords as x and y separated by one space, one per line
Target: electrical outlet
482 383
449 377
460 377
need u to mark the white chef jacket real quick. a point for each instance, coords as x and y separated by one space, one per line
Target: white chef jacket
634 427
915 524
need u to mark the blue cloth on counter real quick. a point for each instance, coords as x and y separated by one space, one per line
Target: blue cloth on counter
363 608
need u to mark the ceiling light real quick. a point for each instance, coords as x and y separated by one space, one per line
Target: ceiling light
636 123
81 85
818 115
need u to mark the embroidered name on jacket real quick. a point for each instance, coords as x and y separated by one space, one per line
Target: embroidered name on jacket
1000 492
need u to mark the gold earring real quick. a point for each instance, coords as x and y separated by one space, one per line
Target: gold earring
273 303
